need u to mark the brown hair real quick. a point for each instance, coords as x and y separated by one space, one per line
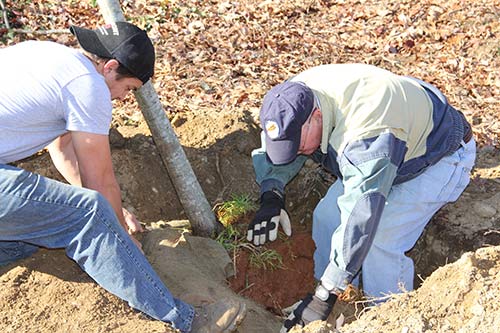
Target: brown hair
121 70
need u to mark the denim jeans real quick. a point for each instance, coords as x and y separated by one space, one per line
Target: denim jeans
39 212
409 207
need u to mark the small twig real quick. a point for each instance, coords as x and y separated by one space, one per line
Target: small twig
234 262
217 167
246 288
41 32
392 62
4 14
220 196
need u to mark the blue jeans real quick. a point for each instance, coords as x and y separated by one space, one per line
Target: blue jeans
409 207
39 212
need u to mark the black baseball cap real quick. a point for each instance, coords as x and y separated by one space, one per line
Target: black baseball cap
284 110
122 41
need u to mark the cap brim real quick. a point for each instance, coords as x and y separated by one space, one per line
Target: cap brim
89 41
282 151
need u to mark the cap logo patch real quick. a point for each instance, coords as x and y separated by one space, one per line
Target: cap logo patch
272 129
104 29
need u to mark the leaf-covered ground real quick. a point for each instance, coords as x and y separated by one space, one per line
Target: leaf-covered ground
221 56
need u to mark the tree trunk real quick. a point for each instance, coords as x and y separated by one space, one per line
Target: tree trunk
185 182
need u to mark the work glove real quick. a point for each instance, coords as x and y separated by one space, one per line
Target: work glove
311 308
271 213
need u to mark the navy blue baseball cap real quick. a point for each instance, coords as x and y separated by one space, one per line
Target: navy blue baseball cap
284 110
122 41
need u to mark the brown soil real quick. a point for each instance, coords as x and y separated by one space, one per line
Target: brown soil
215 61
281 283
50 293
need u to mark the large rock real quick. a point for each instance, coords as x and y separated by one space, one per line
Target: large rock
195 269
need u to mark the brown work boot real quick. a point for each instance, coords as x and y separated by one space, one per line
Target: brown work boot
223 316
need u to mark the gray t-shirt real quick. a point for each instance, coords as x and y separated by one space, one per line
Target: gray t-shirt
46 90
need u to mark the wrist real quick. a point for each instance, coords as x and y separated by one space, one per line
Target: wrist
272 184
272 195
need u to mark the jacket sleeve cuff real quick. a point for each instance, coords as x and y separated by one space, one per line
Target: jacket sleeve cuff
272 184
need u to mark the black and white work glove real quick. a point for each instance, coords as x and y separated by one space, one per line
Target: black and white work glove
270 215
310 309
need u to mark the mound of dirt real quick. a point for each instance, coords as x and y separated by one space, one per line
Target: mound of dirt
49 293
460 297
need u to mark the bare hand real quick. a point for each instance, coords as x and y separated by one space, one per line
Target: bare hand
133 227
133 224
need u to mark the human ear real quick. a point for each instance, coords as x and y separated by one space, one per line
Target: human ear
111 65
310 138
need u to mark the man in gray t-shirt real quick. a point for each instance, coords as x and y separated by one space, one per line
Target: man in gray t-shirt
60 98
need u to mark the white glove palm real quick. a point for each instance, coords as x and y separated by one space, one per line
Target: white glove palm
270 215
